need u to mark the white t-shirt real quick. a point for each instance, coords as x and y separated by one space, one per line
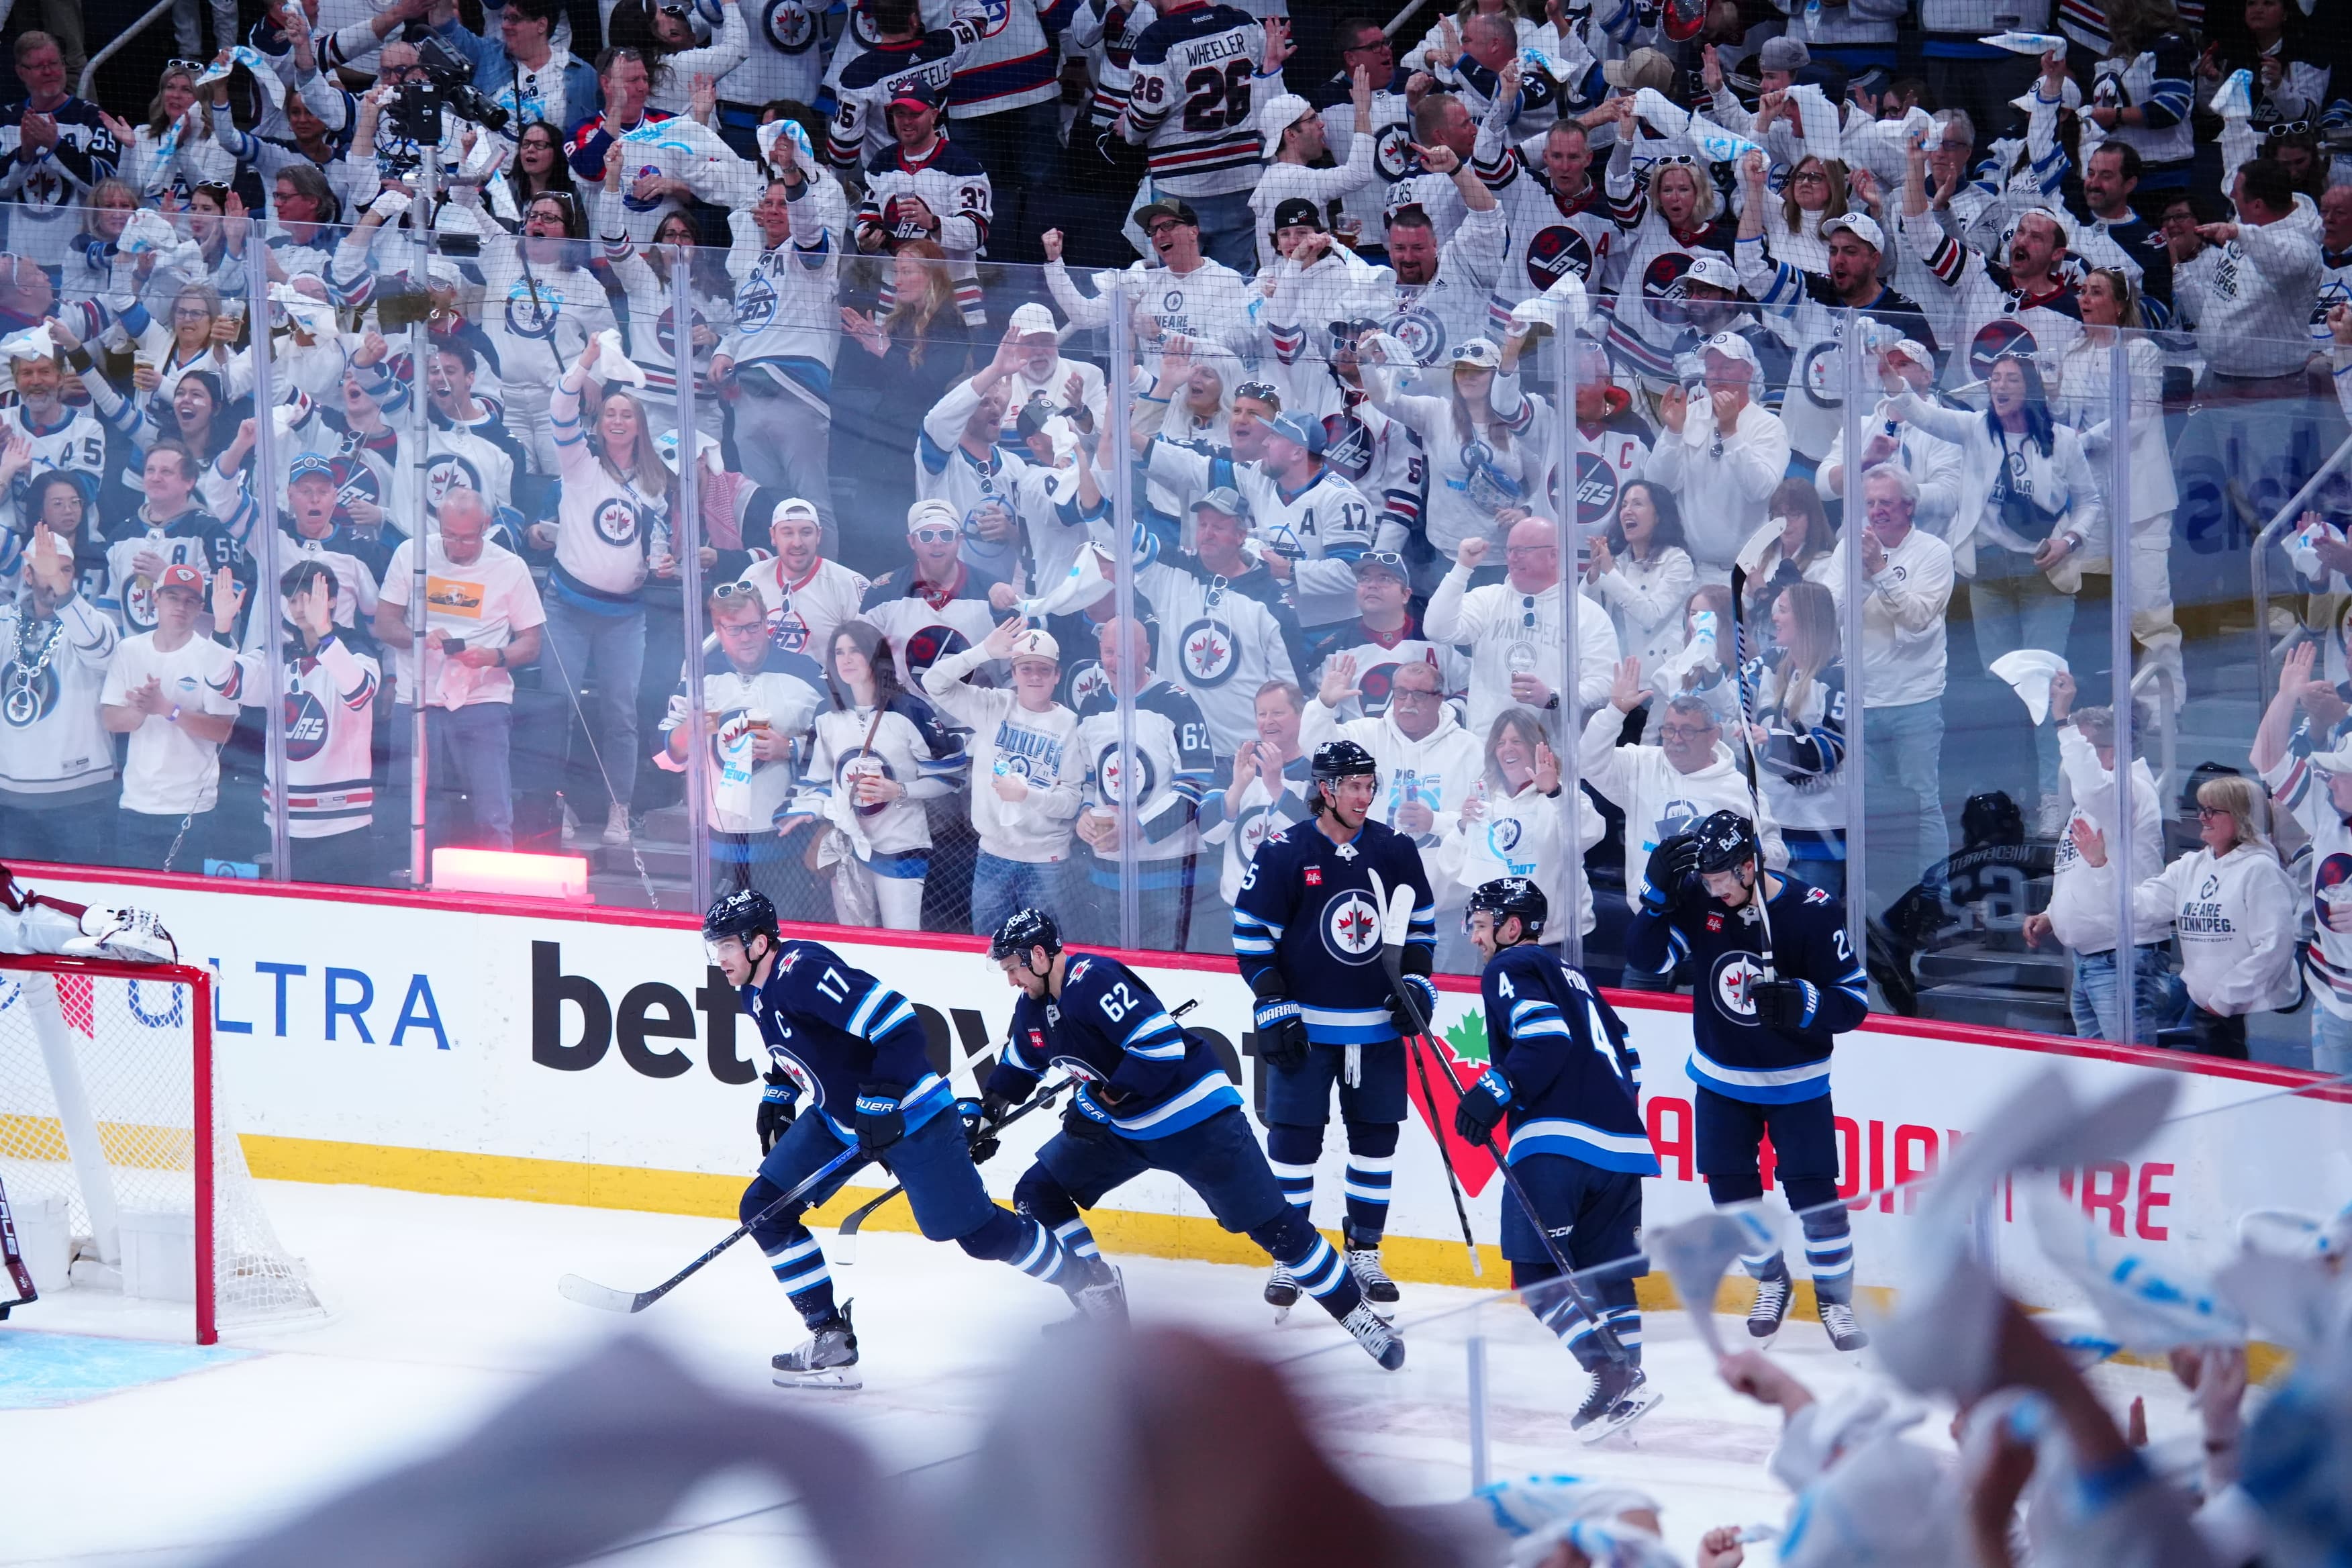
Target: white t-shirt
168 772
485 602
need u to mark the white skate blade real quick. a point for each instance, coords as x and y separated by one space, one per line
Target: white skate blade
1281 1316
1621 1415
835 1380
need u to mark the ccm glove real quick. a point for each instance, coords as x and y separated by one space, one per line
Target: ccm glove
1787 1004
1481 1110
1424 999
777 1109
1281 1033
1666 879
880 1123
1080 1127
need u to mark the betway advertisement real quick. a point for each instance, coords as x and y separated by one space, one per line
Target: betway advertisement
504 1036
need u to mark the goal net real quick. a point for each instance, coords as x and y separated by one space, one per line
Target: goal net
121 1166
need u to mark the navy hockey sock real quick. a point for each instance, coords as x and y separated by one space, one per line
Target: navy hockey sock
1045 1200
1020 1240
1556 1307
1292 1152
1371 1156
800 1269
1319 1271
1829 1236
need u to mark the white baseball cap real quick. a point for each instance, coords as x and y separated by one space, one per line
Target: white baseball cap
794 508
1279 114
1863 226
1917 352
1714 271
1036 643
1731 345
932 510
1033 318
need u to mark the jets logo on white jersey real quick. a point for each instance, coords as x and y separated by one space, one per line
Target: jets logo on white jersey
1209 653
1734 979
1351 927
306 726
1422 334
29 699
532 308
446 471
755 303
616 522
1392 151
1112 776
789 26
1596 487
1560 252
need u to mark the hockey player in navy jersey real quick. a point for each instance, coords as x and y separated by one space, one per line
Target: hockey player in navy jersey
852 1045
1564 1077
1307 936
1151 1096
1770 996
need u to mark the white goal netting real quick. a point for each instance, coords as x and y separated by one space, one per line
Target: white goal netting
101 1102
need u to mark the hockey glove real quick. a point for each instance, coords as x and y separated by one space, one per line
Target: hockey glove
980 1135
1424 999
1787 1004
1082 1126
1667 880
777 1109
880 1122
1482 1109
1281 1034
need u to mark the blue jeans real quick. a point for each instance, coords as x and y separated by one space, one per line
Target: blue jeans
585 645
2331 1042
1000 885
1228 229
468 751
2157 995
1903 800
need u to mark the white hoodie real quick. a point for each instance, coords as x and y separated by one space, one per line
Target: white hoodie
1008 740
1436 771
2082 896
2236 917
1657 801
1518 835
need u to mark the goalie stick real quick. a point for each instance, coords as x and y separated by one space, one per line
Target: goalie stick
1754 767
1396 918
1610 1346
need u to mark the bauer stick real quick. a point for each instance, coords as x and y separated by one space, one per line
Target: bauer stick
1754 767
588 1293
1610 1346
1396 918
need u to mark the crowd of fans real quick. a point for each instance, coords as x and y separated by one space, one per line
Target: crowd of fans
1387 324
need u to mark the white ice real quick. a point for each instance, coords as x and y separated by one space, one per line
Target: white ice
445 1306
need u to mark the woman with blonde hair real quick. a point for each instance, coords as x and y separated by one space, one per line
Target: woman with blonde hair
1814 193
1799 731
2232 910
158 162
913 352
1510 826
95 265
1482 461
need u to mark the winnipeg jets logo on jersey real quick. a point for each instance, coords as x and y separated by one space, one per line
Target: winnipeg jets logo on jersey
1422 332
1664 287
306 726
853 767
1822 375
755 303
1351 927
2332 892
1111 774
794 1069
29 699
1596 487
2002 335
532 306
789 26
1208 652
1560 252
1735 981
616 522
1392 151
446 471
1088 682
1677 817
929 645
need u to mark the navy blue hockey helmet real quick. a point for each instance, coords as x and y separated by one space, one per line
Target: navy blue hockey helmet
1336 760
740 914
1727 841
1511 896
1021 931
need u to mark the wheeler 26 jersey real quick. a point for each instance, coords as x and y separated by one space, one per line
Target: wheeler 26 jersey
832 1027
1193 100
1136 1069
1308 926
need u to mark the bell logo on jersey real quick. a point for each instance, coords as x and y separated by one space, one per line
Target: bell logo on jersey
616 522
306 726
1555 253
1351 927
1734 979
1209 655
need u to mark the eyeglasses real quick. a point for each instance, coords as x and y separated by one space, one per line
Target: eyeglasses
191 314
399 73
2208 813
1409 694
1528 552
936 535
1685 731
2288 127
1809 177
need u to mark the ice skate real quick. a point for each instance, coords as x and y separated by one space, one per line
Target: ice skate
1281 1292
1845 1332
1372 1330
1771 1306
1620 1395
1364 1263
828 1359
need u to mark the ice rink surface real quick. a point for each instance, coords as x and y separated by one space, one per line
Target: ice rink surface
446 1307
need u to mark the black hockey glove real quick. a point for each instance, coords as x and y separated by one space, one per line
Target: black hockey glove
880 1123
1667 880
980 1132
1424 996
1081 1128
1281 1033
776 1110
1787 1004
1482 1108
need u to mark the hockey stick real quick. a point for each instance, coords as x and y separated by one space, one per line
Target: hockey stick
20 1274
588 1293
1396 918
1754 767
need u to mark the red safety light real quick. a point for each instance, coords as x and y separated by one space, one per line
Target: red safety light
457 870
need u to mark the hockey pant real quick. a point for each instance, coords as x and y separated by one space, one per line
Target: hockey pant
942 1189
1372 1109
1595 1217
1727 1133
1219 1159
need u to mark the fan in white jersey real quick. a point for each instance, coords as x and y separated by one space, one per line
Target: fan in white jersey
1510 826
309 525
805 595
1385 637
1184 294
168 689
1026 772
1445 294
1485 439
879 753
903 52
54 648
56 436
935 604
1294 141
925 187
540 306
787 265
329 694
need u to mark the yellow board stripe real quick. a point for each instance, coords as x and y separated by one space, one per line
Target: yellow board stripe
127 1143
